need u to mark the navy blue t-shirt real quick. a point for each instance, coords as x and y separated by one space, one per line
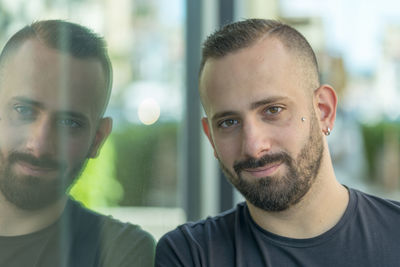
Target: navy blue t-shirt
368 234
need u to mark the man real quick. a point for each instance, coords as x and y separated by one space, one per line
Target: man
267 120
55 83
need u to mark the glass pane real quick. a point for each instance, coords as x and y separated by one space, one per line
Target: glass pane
138 164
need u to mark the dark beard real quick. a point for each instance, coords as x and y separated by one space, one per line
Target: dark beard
31 192
279 193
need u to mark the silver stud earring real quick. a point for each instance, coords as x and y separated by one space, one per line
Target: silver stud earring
303 119
328 131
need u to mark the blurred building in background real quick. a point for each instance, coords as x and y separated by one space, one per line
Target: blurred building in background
157 169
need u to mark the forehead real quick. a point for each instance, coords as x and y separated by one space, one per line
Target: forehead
57 80
264 70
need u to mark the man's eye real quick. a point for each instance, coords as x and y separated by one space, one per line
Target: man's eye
228 123
69 123
273 110
24 110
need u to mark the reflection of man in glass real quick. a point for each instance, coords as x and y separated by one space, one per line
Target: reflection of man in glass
55 83
267 119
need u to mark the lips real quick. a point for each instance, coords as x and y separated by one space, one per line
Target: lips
263 171
34 170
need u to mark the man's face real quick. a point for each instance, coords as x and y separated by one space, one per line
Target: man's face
254 100
49 123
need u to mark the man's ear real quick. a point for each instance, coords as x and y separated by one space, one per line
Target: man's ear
326 101
206 130
103 131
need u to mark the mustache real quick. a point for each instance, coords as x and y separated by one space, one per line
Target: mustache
45 162
251 163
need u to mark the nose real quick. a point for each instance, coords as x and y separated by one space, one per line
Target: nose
256 139
41 138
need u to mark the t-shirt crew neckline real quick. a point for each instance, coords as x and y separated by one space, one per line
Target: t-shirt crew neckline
314 241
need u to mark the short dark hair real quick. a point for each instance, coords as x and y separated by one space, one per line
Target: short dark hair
242 34
68 37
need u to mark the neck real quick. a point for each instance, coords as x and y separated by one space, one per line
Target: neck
15 221
318 211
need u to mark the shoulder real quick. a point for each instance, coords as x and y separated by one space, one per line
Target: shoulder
378 207
189 243
116 231
121 243
126 243
219 225
374 226
370 200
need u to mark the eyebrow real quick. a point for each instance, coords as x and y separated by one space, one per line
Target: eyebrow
28 101
264 102
253 106
38 104
223 114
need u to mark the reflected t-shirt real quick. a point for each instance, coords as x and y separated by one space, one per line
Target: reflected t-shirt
80 238
368 234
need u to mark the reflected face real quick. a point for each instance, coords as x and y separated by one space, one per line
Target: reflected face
49 121
254 100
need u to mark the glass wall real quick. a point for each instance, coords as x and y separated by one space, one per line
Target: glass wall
138 165
138 175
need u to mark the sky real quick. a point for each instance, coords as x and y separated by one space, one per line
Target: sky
354 28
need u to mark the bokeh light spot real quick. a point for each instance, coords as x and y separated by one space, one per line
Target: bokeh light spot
149 111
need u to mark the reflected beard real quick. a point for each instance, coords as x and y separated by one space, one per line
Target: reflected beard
278 193
31 192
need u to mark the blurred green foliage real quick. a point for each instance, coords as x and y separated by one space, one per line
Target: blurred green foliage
98 186
375 137
146 164
136 167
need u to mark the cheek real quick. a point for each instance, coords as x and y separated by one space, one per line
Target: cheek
227 149
77 150
11 139
289 137
292 139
